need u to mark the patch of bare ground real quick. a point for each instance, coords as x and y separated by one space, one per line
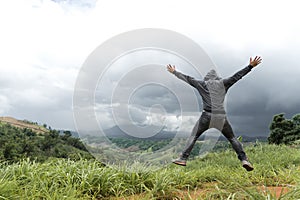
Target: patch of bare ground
276 191
201 193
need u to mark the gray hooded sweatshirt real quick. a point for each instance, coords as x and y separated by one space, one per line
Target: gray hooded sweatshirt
213 88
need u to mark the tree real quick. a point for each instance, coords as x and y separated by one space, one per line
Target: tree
11 152
67 134
284 131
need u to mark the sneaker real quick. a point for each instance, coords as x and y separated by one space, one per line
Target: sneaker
179 161
247 165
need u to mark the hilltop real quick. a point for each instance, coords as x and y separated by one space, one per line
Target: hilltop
24 124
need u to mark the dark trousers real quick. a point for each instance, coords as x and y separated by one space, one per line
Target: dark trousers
218 121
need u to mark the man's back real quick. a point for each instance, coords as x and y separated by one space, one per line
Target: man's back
213 88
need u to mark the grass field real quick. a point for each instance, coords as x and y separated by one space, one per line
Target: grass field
217 176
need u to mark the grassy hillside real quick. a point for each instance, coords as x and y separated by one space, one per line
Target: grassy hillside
217 176
19 140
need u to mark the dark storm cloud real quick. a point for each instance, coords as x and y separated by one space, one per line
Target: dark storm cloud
155 95
269 89
148 86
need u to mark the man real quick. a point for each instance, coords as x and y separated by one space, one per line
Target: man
213 90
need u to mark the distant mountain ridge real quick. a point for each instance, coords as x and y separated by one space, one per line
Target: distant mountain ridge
116 132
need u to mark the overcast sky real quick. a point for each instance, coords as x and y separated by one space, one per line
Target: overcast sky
44 43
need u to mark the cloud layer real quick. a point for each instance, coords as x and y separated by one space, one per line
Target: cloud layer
44 43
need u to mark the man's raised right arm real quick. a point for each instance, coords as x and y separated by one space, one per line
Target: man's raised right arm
190 80
228 82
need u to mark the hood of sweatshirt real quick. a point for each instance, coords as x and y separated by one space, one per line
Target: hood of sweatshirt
212 75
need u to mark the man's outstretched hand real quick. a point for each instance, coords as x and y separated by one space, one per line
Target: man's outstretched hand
171 68
257 60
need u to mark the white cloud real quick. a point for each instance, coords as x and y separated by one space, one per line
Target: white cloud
172 122
144 116
4 105
103 113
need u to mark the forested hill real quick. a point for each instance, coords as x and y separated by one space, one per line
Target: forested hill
23 139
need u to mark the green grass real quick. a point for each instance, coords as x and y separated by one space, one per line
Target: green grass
217 176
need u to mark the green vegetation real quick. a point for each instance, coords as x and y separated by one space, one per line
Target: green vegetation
57 166
19 143
144 145
141 144
285 131
217 176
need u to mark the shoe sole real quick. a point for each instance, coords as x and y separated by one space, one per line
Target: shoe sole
180 163
248 167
